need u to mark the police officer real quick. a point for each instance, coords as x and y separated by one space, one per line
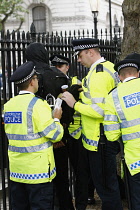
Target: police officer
122 117
100 79
73 144
31 130
84 188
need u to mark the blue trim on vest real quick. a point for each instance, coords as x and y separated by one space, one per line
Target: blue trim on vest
89 141
135 165
32 176
76 131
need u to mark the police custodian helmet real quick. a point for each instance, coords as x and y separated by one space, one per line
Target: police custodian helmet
23 73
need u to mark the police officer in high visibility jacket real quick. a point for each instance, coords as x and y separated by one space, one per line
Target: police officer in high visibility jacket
75 127
84 188
31 130
122 118
100 79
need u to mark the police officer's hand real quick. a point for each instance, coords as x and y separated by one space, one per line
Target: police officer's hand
68 97
57 113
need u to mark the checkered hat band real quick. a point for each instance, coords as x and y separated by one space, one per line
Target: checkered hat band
26 78
127 65
85 46
59 60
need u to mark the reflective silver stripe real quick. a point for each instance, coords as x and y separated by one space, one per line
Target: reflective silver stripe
131 136
127 124
112 75
23 137
57 132
135 165
118 105
30 149
87 95
32 176
76 131
111 118
33 135
78 82
98 100
97 109
29 115
107 70
89 141
94 100
112 127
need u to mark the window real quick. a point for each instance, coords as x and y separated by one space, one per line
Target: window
39 19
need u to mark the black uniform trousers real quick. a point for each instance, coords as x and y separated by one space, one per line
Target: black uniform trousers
134 189
61 181
31 196
105 181
84 186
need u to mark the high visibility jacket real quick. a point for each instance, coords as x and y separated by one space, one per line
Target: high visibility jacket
31 130
122 118
96 85
75 127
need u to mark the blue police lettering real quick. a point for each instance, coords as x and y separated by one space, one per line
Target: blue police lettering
132 100
12 117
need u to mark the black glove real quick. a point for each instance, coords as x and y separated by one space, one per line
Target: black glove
75 90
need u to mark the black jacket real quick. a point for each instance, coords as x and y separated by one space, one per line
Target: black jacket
50 79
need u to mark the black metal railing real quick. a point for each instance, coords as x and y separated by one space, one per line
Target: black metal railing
12 54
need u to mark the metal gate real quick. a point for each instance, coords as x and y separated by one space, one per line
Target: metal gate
12 54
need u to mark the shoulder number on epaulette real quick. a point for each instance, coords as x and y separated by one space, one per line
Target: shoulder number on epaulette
99 68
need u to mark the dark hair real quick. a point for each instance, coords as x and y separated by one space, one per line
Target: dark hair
60 65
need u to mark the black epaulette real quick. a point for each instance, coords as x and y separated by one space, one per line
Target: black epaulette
99 68
40 97
112 90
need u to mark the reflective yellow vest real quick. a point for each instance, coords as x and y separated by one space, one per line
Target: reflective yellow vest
96 86
31 130
122 118
75 127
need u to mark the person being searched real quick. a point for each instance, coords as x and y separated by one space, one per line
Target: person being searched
121 120
31 132
100 80
60 65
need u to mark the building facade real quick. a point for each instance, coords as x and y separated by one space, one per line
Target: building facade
69 15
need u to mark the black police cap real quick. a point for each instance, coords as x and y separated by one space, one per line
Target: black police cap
23 73
134 55
131 60
59 59
85 43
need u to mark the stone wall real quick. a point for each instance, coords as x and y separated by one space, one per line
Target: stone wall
71 14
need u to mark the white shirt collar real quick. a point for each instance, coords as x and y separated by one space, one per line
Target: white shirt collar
98 61
24 92
128 78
